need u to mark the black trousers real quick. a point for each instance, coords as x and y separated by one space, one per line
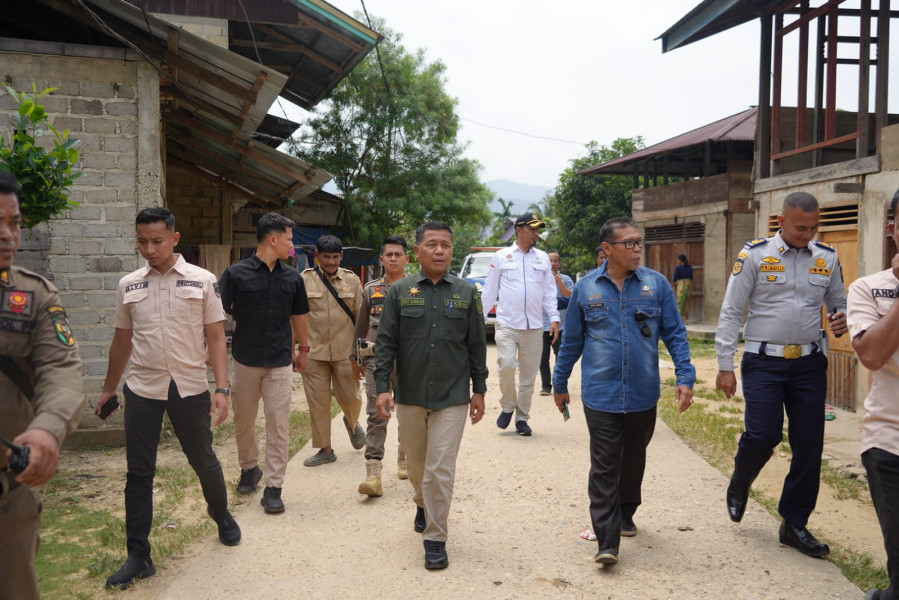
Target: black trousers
883 480
618 444
546 374
772 385
143 423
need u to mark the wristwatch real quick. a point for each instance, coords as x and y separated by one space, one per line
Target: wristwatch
225 391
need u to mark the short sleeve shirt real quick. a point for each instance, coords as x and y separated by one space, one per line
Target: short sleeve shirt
262 300
870 298
167 314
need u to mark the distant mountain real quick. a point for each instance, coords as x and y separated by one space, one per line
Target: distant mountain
521 195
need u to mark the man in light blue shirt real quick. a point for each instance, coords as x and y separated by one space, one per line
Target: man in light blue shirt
564 288
616 316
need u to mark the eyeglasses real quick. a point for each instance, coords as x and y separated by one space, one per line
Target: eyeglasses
641 319
629 244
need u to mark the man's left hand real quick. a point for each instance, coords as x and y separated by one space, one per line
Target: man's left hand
476 409
300 361
554 330
44 457
838 323
683 395
219 409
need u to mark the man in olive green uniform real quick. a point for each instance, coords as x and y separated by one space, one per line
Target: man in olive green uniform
40 397
394 258
432 328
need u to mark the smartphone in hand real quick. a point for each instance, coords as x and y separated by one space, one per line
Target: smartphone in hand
565 414
111 405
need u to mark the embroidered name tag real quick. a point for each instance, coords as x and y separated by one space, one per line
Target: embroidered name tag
456 304
818 271
189 283
137 286
765 268
878 293
7 324
412 301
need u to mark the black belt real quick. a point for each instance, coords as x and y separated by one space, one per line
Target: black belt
7 482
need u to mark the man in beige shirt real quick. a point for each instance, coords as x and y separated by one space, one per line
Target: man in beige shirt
169 321
331 319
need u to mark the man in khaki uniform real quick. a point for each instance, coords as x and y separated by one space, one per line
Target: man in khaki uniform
40 397
394 258
331 324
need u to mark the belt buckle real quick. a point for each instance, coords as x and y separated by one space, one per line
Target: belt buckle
792 351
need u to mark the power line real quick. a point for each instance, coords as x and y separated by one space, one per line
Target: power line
530 135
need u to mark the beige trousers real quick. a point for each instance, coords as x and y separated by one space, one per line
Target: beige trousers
275 387
20 523
431 440
517 349
318 379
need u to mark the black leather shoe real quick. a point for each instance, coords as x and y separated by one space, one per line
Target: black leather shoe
606 556
874 594
435 555
249 480
736 503
271 500
628 528
229 530
419 524
134 568
803 540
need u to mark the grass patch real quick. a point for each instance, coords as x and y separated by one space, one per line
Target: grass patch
702 348
714 436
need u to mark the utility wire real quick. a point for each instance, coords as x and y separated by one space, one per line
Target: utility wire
530 135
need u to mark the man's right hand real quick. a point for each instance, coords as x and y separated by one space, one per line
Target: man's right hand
103 399
726 381
385 404
358 371
560 400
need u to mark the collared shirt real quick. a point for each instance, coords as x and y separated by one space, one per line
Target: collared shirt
870 298
525 285
435 333
167 314
620 367
35 334
683 272
373 295
785 288
330 328
567 281
262 300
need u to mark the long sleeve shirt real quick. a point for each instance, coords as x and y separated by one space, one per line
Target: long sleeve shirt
617 332
785 288
525 285
435 333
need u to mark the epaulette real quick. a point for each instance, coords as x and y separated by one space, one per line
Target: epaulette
47 283
825 245
757 242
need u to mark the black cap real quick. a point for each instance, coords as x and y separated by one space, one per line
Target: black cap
529 219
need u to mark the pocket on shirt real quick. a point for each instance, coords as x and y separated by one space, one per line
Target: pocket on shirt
510 271
187 305
412 321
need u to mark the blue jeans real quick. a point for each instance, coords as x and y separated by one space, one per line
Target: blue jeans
883 480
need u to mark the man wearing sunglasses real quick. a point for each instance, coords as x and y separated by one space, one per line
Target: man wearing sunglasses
785 279
616 316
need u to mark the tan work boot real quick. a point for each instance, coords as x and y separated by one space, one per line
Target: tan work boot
401 471
372 484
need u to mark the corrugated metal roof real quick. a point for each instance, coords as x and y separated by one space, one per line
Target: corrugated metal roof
714 16
738 127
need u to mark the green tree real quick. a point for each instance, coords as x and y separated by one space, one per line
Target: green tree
44 174
389 139
581 204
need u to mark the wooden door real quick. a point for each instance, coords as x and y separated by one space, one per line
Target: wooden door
662 257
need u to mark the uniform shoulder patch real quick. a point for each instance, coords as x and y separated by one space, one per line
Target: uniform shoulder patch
61 325
825 245
756 242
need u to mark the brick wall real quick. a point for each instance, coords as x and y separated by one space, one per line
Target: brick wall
197 205
109 99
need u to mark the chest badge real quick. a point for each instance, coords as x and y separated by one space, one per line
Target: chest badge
772 278
820 263
457 296
414 291
18 301
770 260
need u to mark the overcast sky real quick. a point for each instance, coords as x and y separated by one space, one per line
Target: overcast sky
575 70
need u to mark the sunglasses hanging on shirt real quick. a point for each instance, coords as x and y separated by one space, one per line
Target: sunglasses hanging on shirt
644 328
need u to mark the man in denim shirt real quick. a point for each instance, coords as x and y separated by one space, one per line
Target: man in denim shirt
615 318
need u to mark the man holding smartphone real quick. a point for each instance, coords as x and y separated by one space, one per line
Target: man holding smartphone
169 321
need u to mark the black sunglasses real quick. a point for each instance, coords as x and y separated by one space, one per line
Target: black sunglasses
644 329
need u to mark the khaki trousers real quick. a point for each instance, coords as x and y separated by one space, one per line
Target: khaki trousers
431 440
275 387
318 379
20 523
376 432
517 349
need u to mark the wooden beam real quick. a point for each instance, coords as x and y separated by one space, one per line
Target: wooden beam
763 125
882 74
848 188
202 105
863 123
308 23
250 180
292 47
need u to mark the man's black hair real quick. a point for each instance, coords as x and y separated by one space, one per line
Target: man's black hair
598 250
329 243
894 204
155 214
9 185
548 252
608 233
271 223
436 225
801 200
395 239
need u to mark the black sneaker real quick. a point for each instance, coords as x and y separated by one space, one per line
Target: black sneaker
249 480
523 428
271 500
628 528
435 555
546 391
419 524
229 530
134 568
